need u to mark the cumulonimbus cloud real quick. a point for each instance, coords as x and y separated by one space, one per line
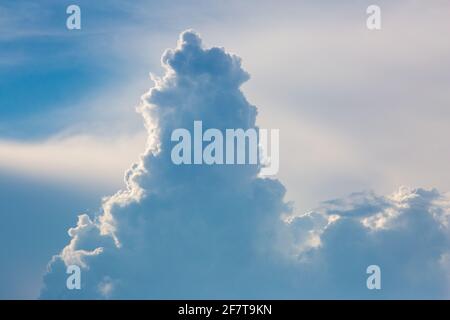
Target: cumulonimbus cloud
179 231
200 231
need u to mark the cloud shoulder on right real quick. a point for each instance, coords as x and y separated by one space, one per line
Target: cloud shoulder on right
406 233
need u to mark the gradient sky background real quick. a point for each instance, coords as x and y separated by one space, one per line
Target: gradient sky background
357 110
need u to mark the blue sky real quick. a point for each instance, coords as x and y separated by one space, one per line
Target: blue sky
357 111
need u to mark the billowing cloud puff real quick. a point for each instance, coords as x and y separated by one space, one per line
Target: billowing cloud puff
407 234
200 231
180 231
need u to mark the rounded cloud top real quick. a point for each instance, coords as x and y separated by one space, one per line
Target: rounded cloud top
191 59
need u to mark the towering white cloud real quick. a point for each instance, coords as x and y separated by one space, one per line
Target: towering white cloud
179 231
199 231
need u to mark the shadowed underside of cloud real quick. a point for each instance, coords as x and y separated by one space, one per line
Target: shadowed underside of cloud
203 231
